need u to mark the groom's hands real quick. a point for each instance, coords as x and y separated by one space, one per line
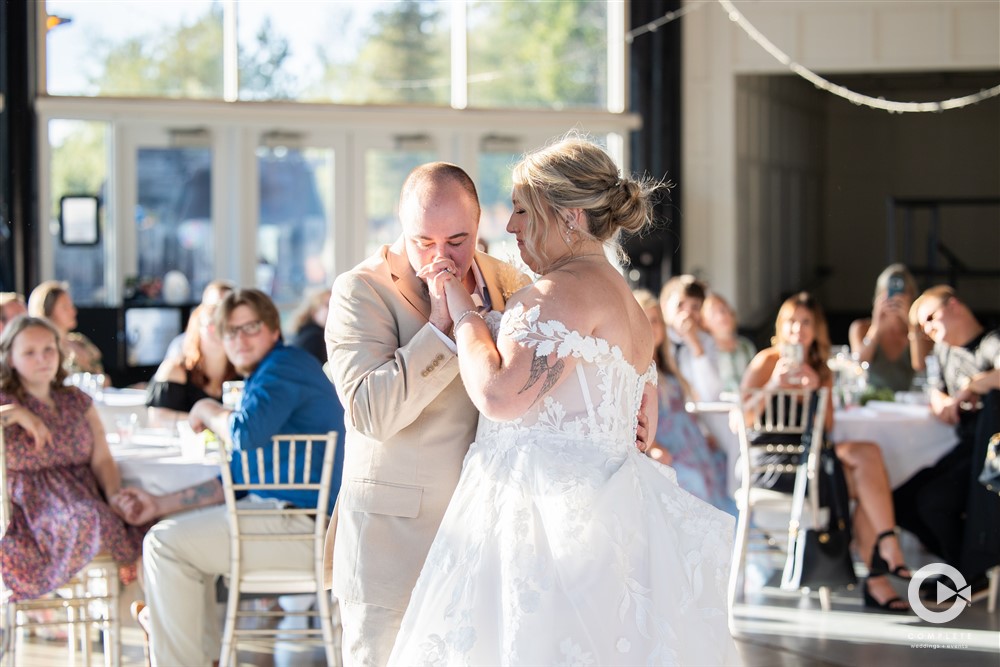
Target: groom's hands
436 274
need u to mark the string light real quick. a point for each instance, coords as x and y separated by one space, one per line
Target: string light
820 82
653 26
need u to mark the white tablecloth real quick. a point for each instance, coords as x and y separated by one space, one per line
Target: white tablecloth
910 437
154 461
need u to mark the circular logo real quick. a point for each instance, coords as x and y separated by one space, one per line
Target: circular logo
959 593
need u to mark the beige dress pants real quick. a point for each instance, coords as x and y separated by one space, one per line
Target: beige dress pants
369 633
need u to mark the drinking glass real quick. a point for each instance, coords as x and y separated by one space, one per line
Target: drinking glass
125 427
232 394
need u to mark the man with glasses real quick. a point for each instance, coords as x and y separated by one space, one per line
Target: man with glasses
285 392
943 506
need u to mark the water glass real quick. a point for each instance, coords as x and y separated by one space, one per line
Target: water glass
232 394
125 427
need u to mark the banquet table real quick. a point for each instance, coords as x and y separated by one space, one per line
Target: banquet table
154 460
910 437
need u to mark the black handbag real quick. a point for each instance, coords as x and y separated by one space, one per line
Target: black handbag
820 557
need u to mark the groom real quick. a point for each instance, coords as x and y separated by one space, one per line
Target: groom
409 421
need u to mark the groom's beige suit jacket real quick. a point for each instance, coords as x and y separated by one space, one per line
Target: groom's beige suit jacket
408 420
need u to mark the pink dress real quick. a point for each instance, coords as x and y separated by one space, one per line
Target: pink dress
59 518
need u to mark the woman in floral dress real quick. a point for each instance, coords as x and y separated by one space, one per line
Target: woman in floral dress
60 474
679 441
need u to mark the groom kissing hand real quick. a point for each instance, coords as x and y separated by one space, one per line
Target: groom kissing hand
409 421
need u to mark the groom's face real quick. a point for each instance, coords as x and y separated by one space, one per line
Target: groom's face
440 221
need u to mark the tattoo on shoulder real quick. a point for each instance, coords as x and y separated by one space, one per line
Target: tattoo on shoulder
540 367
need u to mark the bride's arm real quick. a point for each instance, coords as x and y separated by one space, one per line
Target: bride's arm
503 378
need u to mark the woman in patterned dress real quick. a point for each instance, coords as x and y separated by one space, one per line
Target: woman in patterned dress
60 474
680 441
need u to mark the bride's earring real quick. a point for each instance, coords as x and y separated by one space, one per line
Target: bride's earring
569 230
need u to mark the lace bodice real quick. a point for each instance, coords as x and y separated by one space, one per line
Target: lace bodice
598 398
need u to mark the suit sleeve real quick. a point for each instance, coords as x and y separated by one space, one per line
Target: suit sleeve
383 385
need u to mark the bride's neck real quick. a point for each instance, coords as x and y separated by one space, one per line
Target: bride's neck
580 255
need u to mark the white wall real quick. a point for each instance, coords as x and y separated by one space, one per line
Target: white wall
731 219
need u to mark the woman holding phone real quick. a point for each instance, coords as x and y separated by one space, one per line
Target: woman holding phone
797 358
884 340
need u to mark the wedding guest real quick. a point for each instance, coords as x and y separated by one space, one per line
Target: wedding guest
883 340
210 297
197 373
942 505
694 350
680 442
563 543
11 305
409 417
734 351
697 358
59 468
801 322
286 392
51 300
309 323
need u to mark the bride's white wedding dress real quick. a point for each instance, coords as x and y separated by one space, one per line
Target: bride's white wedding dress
563 544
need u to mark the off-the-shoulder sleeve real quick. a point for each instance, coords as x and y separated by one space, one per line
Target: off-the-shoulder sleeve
527 329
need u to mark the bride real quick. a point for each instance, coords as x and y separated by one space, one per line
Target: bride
564 544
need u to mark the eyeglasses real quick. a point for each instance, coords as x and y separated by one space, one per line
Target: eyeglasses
248 329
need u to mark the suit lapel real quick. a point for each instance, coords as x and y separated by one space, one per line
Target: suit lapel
410 287
488 268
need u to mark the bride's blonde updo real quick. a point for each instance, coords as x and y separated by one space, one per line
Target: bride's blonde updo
575 173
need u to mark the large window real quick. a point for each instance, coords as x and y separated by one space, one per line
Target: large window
79 157
545 54
189 123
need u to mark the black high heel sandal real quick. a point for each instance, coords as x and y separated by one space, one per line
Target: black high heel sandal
879 565
887 606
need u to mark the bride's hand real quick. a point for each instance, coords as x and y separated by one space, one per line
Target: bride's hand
436 274
458 297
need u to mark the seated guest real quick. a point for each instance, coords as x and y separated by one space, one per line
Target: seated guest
801 322
210 297
694 350
882 341
52 301
11 305
286 392
696 356
734 351
198 372
59 468
679 441
934 503
309 324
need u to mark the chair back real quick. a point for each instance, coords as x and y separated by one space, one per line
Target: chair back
265 474
262 474
797 419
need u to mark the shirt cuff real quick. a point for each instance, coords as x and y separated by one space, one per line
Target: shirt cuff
445 339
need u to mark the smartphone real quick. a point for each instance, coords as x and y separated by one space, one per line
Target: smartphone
896 285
